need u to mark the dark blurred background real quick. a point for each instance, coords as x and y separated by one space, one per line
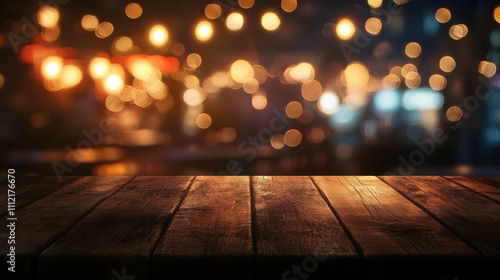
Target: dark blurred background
236 87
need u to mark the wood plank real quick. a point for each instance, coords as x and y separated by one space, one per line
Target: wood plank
488 186
44 220
129 225
30 188
210 235
296 233
394 235
472 217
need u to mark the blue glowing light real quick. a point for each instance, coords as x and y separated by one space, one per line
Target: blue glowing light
422 99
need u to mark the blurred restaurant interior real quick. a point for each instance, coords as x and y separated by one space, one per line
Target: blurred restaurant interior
244 87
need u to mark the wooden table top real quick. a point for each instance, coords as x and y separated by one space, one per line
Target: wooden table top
253 227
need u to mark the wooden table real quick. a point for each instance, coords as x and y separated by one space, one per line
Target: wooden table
259 227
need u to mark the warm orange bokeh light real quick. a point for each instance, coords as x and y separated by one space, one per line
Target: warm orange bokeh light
52 67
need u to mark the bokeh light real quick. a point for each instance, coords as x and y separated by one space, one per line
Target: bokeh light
71 76
401 2
391 81
311 90
437 82
278 141
357 74
292 138
316 135
375 3
294 109
354 78
177 49
260 73
213 11
158 35
386 101
289 5
52 67
345 29
458 31
113 83
408 68
114 103
203 121
99 67
373 26
413 80
496 13
270 21
246 4
48 16
194 60
234 21
123 44
104 29
241 70
302 72
454 113
193 97
259 100
250 86
89 22
413 50
443 15
488 69
133 10
447 64
204 31
329 103
142 99
226 134
191 81
51 34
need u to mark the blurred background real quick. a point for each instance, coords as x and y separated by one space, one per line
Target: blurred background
282 87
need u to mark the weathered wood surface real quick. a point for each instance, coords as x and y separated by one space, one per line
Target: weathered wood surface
485 185
293 220
120 232
469 215
210 235
30 188
261 227
39 224
386 226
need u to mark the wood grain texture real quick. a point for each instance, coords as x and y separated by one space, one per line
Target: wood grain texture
488 186
391 230
129 225
210 235
44 220
471 216
294 227
263 227
31 188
